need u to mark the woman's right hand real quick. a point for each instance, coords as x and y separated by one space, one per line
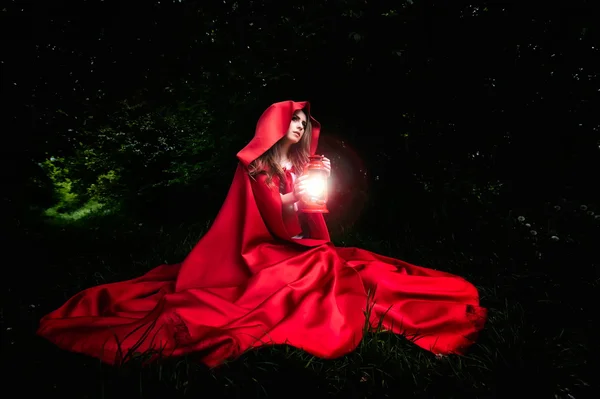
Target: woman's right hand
300 187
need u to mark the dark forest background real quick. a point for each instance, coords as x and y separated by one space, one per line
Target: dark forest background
464 136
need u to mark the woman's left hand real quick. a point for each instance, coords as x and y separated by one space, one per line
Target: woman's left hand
327 164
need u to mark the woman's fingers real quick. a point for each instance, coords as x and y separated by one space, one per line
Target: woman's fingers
327 164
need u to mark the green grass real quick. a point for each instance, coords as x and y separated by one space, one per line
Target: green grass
538 340
68 207
85 210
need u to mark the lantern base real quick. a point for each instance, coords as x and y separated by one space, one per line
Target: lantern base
315 211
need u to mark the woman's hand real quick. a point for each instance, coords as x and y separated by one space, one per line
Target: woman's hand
297 192
327 164
300 187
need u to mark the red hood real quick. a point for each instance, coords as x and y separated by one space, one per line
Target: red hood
273 125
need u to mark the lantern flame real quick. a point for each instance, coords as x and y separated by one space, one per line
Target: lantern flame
315 186
315 196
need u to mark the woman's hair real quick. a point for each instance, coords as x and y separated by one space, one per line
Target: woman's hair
268 162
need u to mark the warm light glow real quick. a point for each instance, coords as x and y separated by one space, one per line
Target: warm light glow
315 186
315 198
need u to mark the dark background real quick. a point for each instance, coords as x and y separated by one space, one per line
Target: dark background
445 122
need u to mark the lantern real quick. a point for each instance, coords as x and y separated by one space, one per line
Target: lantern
315 198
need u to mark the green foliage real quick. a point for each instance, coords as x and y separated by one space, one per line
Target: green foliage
67 206
140 147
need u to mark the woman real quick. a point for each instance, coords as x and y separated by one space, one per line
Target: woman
286 160
264 275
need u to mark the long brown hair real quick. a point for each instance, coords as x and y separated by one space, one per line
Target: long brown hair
298 154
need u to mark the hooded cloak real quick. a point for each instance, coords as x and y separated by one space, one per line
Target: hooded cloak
248 283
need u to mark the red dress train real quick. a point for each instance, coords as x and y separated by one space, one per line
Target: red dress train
247 283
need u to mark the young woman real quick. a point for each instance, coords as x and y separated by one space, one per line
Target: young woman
287 159
267 274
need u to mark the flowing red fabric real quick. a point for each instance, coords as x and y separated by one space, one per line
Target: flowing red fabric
247 283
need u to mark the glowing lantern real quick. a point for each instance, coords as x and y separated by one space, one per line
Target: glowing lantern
315 199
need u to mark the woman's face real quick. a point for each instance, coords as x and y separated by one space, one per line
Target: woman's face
297 127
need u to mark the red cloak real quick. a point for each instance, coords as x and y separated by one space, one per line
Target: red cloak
247 283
